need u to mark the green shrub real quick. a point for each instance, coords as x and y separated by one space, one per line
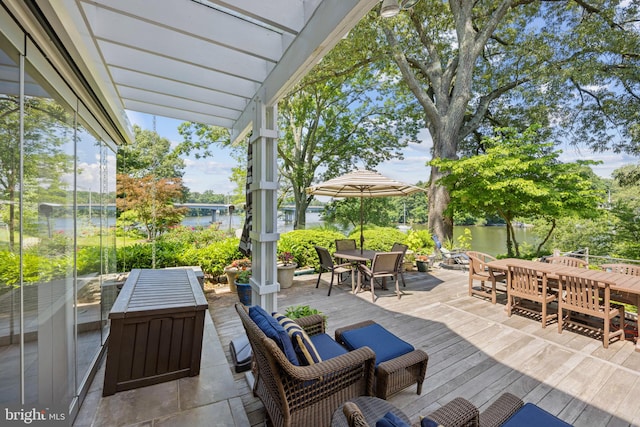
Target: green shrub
140 255
301 244
198 237
215 257
88 259
420 241
379 238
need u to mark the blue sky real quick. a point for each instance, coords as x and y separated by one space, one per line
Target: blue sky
213 173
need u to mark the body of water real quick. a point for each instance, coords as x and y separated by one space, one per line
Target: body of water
491 240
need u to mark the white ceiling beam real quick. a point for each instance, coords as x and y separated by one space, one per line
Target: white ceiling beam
288 15
180 89
160 41
145 62
180 103
186 115
199 21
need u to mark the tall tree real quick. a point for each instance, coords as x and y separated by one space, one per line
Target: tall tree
519 176
149 154
570 65
343 113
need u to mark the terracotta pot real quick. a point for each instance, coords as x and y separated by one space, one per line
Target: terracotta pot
285 275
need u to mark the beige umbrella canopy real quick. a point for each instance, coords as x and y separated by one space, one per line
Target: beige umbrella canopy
363 183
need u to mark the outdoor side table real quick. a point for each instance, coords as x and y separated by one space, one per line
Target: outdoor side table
157 324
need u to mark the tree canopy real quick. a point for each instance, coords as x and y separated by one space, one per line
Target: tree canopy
472 66
519 176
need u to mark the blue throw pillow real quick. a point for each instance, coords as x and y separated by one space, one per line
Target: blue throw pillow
273 330
391 420
306 351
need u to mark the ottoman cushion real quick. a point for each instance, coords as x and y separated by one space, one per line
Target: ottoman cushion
531 415
384 344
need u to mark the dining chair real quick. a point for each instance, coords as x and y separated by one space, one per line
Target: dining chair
526 284
592 299
384 265
479 270
630 269
327 264
400 247
569 261
344 245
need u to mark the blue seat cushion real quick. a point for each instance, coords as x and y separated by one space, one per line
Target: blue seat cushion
384 344
302 344
531 415
273 330
327 347
391 420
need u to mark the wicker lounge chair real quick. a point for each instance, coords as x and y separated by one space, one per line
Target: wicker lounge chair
478 270
305 395
364 412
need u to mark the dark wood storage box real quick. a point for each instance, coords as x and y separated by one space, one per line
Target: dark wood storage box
156 331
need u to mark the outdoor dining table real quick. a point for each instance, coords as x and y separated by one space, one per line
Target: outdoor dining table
356 256
625 287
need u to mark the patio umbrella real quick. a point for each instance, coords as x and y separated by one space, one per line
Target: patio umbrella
363 183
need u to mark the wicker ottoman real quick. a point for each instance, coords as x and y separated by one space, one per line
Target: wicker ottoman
398 364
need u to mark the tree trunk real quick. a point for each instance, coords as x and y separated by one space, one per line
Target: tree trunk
438 223
302 203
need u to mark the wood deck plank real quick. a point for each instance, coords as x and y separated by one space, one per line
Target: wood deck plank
475 350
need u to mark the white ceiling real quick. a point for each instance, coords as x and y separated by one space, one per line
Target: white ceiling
199 60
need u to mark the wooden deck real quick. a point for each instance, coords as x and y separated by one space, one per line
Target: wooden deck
475 350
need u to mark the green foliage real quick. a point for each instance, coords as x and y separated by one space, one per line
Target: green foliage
519 176
88 259
298 311
420 241
301 243
193 236
463 241
35 268
215 257
140 255
378 211
243 276
379 238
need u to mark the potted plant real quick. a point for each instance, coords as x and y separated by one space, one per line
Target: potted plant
422 262
232 270
243 287
286 269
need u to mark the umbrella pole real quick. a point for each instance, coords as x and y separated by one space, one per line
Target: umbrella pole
361 236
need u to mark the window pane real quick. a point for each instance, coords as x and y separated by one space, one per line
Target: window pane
9 225
48 245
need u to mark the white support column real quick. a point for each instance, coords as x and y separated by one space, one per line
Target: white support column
264 187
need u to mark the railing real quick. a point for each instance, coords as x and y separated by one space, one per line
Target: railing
598 260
